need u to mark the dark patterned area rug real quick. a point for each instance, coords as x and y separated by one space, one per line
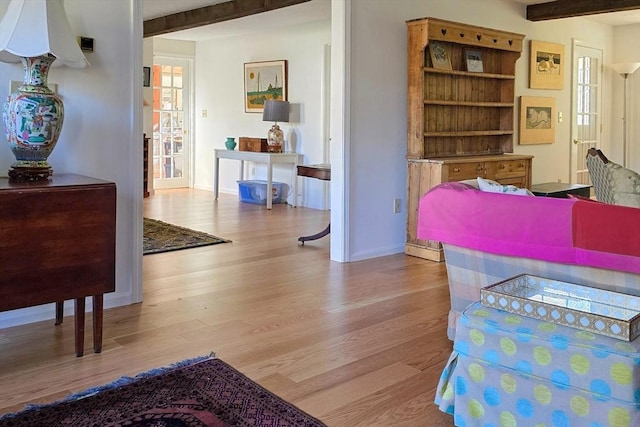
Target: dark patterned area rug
194 393
160 236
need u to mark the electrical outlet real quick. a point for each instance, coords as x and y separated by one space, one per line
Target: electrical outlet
397 205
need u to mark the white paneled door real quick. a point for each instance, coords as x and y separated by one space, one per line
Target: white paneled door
171 136
586 117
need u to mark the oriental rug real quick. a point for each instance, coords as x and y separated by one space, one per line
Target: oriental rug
193 393
159 236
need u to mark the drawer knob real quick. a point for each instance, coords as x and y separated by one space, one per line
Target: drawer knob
479 168
502 166
456 169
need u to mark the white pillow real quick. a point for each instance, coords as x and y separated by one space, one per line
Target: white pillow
471 182
495 187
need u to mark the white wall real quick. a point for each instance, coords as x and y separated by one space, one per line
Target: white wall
219 83
627 38
102 132
377 94
169 47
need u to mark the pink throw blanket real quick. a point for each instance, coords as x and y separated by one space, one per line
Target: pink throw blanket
531 227
601 230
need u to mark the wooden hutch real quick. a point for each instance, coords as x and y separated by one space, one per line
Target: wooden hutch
460 123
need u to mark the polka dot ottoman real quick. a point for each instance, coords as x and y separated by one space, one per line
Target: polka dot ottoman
508 370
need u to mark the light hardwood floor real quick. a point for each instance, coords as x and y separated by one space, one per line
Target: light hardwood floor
354 344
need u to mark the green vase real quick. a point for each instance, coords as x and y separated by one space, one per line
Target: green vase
230 143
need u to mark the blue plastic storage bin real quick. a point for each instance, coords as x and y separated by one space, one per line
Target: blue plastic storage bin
255 191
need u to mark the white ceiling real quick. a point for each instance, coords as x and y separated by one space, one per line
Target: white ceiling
617 18
315 10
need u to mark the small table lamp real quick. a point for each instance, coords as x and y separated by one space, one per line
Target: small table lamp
275 111
37 33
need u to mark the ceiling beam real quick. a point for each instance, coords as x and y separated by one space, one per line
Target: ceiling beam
212 14
570 8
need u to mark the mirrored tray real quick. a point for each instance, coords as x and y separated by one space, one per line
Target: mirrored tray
602 312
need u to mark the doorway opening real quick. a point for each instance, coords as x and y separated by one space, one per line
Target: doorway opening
171 139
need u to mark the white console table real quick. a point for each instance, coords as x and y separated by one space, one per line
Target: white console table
270 159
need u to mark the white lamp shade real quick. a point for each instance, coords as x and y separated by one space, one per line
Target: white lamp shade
626 67
32 28
275 111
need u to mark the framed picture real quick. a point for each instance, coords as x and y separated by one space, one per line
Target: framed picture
262 81
146 76
537 124
473 59
439 55
546 65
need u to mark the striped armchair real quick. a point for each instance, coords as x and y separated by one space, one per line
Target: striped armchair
613 183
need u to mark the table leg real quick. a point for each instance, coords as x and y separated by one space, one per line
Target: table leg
294 177
97 322
216 177
315 236
79 319
59 312
241 175
269 185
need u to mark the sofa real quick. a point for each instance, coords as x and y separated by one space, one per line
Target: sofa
488 237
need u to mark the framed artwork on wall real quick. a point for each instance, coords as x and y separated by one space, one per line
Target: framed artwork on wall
263 81
546 68
537 124
439 55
